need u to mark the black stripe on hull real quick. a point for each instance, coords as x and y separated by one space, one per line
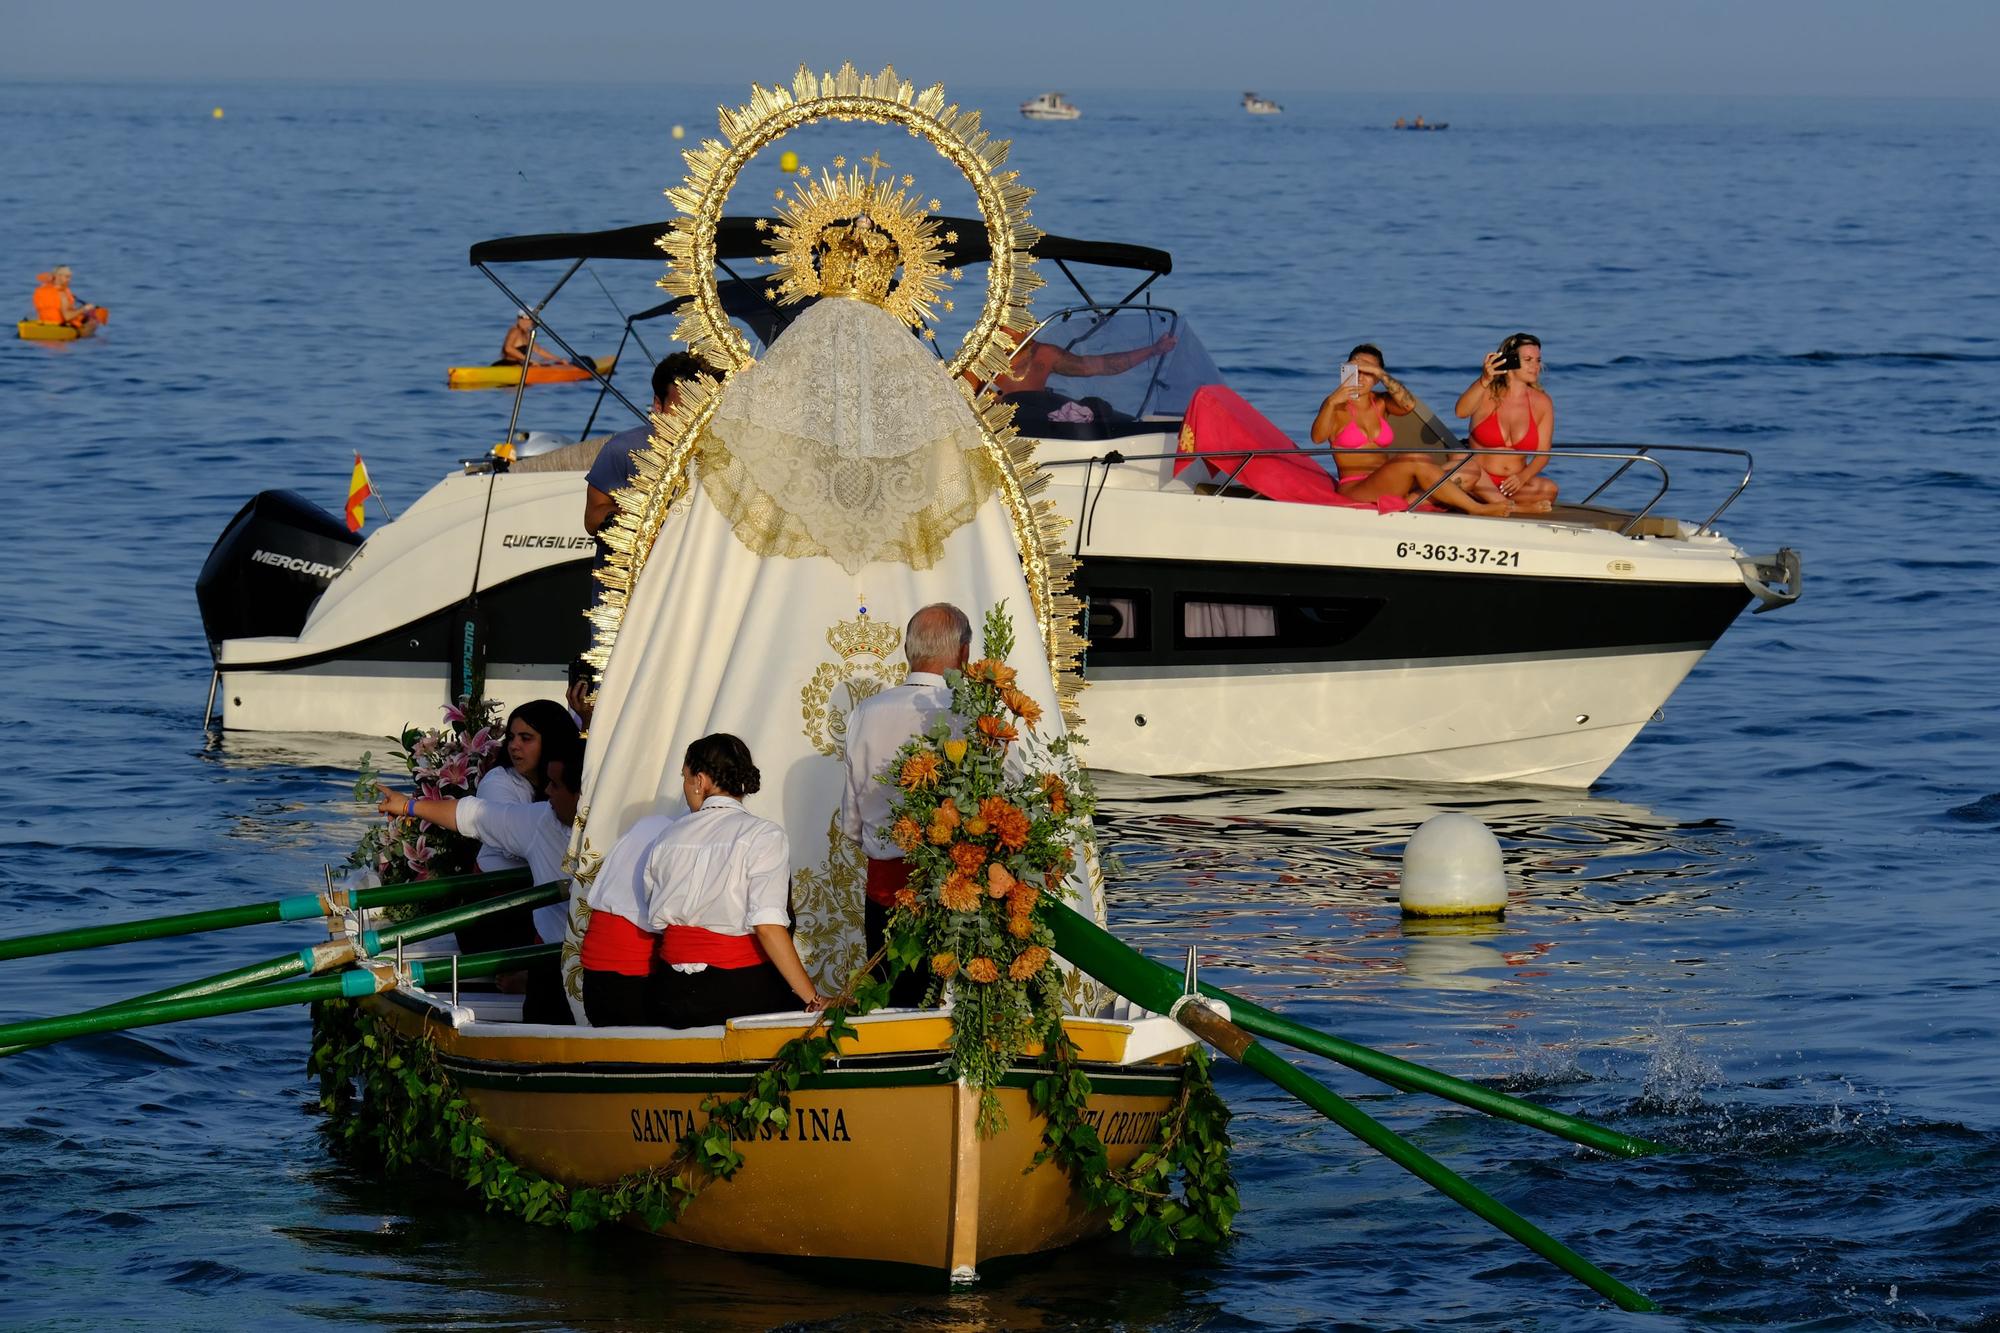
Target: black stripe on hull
537 618
1324 615
1331 615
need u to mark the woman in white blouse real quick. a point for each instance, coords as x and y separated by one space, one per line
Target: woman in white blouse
518 775
717 886
535 730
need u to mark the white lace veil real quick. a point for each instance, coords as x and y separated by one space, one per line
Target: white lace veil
848 441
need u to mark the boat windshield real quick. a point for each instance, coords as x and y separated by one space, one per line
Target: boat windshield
1108 373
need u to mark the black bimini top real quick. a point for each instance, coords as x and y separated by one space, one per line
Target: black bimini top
739 238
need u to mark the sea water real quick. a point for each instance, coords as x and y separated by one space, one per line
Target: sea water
1767 938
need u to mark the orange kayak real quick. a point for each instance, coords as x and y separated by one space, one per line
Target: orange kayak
501 377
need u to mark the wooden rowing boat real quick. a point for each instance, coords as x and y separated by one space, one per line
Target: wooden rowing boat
881 1161
502 377
45 331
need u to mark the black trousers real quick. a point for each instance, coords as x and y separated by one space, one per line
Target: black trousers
716 995
614 1000
545 1001
908 990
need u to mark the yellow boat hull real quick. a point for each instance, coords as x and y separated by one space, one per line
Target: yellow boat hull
882 1160
42 331
504 377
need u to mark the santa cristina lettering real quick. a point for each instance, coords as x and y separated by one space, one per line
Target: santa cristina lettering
808 1124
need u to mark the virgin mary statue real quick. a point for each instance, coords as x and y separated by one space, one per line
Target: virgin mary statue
784 530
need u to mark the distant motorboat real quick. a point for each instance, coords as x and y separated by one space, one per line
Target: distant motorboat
1050 106
1420 124
1261 106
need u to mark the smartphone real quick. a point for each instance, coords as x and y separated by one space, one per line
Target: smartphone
1509 361
1350 375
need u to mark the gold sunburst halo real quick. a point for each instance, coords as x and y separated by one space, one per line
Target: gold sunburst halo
847 95
663 464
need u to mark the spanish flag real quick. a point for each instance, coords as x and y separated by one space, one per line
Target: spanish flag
358 492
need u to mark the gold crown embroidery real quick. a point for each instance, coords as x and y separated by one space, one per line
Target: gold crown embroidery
863 636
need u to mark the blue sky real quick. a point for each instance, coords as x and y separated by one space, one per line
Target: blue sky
1915 48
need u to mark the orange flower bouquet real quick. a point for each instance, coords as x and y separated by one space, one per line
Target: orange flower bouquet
990 816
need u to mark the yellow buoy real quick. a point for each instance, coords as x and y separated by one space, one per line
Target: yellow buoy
788 161
680 133
217 113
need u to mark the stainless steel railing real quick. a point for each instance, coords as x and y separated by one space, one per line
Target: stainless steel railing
1626 456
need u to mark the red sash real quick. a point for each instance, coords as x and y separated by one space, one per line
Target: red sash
613 944
886 879
692 944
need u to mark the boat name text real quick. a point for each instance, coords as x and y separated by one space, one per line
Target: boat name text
1123 1126
1461 555
298 564
546 541
808 1124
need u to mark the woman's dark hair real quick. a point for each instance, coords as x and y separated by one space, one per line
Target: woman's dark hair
726 760
552 722
1369 349
1510 347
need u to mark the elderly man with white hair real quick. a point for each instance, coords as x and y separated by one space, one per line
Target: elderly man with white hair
938 639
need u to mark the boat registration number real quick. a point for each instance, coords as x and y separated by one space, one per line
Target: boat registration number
1458 555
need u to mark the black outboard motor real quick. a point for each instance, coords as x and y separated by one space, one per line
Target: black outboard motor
269 566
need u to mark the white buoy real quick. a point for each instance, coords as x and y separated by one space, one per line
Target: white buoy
1452 867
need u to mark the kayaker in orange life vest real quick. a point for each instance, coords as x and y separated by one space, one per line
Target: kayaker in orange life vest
56 304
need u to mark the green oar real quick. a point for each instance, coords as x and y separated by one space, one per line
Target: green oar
333 953
368 979
1196 1015
298 907
1157 987
1138 978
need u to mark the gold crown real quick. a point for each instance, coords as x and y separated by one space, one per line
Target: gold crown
846 235
857 260
863 636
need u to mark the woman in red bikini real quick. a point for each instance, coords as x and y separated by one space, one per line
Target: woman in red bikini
1354 422
1513 421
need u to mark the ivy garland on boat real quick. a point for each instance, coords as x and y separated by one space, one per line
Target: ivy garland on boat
390 1103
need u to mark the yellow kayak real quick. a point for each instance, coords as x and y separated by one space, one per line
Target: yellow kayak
41 331
498 377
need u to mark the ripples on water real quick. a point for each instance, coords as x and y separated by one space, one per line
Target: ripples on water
1766 939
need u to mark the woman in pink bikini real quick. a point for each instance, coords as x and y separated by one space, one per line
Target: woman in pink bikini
1513 421
1354 422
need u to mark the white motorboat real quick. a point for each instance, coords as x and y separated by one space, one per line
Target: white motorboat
1261 106
1050 106
1229 633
